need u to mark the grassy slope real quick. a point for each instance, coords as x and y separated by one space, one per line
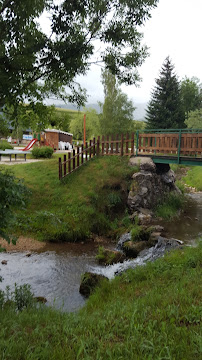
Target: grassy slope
84 203
152 312
194 177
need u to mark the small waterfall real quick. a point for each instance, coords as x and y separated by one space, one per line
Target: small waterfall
146 255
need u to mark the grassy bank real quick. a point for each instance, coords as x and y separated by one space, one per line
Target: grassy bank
91 200
194 177
151 312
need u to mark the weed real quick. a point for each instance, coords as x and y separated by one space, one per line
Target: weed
170 207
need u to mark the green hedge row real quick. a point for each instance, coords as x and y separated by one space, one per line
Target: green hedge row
42 152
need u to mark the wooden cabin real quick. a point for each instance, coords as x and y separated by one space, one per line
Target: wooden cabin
52 137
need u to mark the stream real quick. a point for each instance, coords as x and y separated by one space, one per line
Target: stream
56 272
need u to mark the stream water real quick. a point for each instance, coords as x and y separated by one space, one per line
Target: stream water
56 272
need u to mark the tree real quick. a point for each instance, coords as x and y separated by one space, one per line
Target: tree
194 119
92 124
117 110
191 91
165 109
34 64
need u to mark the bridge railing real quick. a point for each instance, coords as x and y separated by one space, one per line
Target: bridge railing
171 143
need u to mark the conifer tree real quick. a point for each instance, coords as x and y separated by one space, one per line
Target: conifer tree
165 109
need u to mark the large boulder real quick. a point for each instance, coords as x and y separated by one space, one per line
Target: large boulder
89 282
109 257
150 185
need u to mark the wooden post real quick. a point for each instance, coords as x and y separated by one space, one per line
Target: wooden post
112 145
179 147
73 160
137 142
60 169
93 146
77 162
122 141
103 144
127 137
107 145
132 144
86 151
90 146
69 163
117 144
81 154
65 172
98 146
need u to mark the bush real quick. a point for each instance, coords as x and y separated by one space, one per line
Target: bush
138 233
5 145
42 152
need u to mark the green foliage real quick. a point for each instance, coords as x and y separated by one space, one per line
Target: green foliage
117 110
42 152
138 233
92 124
194 120
165 109
191 91
19 299
150 312
35 64
13 194
5 145
171 206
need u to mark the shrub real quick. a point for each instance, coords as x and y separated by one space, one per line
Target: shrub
42 152
140 234
5 145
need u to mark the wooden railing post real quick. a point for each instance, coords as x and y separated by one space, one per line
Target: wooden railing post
122 141
73 160
98 146
112 145
77 160
107 145
117 144
132 144
65 172
69 163
127 137
103 144
179 147
90 146
60 169
137 142
93 146
86 151
82 154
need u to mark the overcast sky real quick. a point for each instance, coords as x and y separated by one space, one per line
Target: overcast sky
174 30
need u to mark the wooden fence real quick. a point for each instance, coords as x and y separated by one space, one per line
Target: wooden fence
175 143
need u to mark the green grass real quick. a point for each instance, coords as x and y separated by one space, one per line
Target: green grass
5 145
91 200
151 312
194 177
171 206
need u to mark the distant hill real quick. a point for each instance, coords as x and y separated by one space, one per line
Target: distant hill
139 113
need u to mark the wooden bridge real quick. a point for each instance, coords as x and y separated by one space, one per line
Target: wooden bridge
170 146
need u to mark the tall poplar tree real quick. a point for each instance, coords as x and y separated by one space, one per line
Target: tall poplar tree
165 109
117 110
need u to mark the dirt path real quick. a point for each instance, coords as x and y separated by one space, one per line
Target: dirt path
23 244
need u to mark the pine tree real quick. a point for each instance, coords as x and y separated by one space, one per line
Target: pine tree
165 109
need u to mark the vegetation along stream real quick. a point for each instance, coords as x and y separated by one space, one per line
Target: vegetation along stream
55 272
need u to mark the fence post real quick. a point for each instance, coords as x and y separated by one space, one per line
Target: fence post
93 146
77 160
69 163
73 160
127 138
137 142
112 145
98 145
122 140
65 172
103 144
90 145
117 144
60 169
86 151
81 154
179 147
107 145
132 144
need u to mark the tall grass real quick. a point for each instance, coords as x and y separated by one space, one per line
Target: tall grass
194 177
151 312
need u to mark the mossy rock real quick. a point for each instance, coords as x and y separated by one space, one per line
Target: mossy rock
89 282
109 257
132 249
139 234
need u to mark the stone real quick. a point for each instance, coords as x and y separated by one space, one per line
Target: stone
28 254
40 299
110 257
143 162
89 282
125 237
132 249
144 219
4 262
